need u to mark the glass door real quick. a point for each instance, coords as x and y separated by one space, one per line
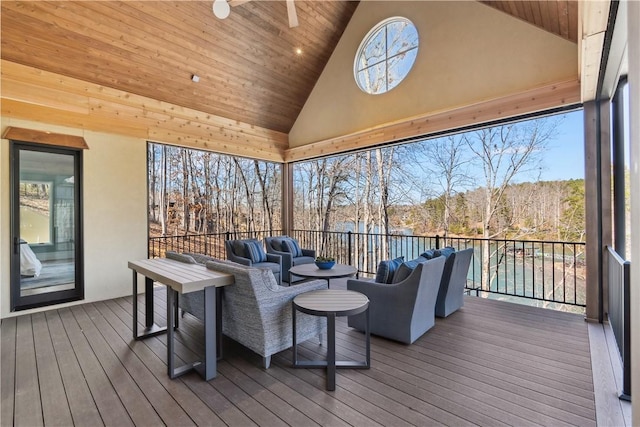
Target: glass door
46 233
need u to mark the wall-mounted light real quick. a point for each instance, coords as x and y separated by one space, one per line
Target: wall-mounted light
195 78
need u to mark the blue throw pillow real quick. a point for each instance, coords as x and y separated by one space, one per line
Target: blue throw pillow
405 270
253 250
291 246
386 269
431 253
447 251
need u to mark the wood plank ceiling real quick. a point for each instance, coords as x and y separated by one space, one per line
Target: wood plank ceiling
559 17
248 66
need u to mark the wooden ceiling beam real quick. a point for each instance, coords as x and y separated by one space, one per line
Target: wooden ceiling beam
535 100
118 112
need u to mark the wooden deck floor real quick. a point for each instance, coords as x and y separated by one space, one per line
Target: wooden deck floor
491 363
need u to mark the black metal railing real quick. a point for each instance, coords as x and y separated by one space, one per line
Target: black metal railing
546 271
551 274
211 244
619 284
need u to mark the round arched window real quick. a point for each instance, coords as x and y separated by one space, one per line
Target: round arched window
386 55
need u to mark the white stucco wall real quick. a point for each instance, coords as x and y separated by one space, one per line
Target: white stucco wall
468 52
115 206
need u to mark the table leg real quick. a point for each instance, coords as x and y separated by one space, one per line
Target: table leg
219 323
170 331
207 368
151 329
367 336
293 330
331 351
148 302
135 304
210 329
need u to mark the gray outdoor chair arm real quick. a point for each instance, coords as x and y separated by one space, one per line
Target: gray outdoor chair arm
274 258
454 279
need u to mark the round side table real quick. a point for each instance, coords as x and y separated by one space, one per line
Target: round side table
331 303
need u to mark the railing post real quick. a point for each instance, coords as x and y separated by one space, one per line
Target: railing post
437 241
349 246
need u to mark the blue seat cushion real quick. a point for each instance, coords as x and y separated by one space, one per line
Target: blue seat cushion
254 251
303 260
387 268
291 245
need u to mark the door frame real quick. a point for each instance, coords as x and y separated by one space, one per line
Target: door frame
19 302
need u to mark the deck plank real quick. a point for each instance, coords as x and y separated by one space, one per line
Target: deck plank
28 407
165 406
490 364
136 403
189 401
111 409
81 403
55 407
8 351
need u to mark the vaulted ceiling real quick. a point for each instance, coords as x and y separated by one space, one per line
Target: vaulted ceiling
252 67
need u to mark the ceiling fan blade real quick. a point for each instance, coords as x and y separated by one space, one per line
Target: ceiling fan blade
291 11
234 3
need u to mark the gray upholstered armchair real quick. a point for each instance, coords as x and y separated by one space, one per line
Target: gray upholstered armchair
290 252
402 311
454 279
249 252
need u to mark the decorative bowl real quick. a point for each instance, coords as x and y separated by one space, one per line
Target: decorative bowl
325 265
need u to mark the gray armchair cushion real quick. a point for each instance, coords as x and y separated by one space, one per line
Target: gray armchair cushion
303 260
200 258
403 311
180 257
387 268
238 248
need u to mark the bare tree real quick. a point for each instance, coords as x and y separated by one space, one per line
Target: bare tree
448 166
504 153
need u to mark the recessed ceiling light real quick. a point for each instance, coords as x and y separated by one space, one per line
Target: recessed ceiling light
298 51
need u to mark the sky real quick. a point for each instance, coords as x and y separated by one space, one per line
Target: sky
564 157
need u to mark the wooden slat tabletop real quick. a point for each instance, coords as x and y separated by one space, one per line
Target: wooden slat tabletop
181 276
